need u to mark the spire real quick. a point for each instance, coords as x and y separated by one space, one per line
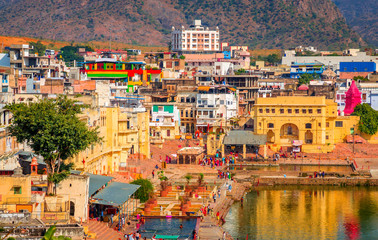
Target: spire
352 99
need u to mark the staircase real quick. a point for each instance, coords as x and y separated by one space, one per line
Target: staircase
100 230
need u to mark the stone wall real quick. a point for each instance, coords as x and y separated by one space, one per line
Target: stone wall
14 218
271 181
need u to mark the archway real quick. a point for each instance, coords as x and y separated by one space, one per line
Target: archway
271 136
308 137
181 159
187 159
193 160
72 208
288 133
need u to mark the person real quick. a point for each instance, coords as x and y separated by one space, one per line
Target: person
181 227
137 235
111 218
131 237
153 173
215 198
323 174
218 216
153 237
224 235
156 166
242 200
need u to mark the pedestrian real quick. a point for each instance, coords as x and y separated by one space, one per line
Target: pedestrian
153 173
242 200
224 235
181 227
323 174
137 235
219 193
214 198
111 219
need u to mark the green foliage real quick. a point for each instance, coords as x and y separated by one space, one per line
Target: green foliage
200 179
368 118
53 130
188 177
11 238
145 190
182 57
38 47
306 78
49 235
70 53
361 78
240 71
273 58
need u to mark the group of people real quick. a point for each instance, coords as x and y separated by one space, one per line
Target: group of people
224 175
319 174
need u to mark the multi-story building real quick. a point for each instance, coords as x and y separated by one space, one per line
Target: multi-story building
349 70
297 69
165 122
216 105
125 131
307 124
196 38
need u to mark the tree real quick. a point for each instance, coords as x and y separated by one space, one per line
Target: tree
306 78
368 118
38 47
182 57
146 188
53 130
361 78
240 71
49 235
273 58
188 177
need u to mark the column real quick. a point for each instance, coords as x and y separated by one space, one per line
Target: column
244 151
222 150
265 151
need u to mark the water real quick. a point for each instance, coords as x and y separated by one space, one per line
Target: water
306 213
169 226
294 167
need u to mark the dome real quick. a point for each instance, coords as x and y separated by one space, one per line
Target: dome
303 87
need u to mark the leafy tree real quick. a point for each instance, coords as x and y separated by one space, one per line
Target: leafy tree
368 118
145 190
182 57
273 58
306 78
49 235
363 79
240 71
53 130
38 47
70 53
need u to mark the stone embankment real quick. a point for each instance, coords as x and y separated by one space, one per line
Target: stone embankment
278 180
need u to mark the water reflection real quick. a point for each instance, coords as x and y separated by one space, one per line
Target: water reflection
306 213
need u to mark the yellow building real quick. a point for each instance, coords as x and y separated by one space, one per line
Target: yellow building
309 122
124 131
15 192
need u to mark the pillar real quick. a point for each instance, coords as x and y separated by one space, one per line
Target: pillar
222 150
265 151
244 151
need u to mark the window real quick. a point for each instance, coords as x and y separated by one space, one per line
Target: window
259 124
270 125
282 110
327 137
222 102
319 124
186 113
182 113
17 190
364 97
339 123
319 111
205 113
327 124
310 111
168 133
304 111
296 111
273 110
260 110
308 125
267 110
289 110
289 130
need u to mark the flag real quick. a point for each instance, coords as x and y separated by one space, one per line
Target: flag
83 161
208 128
221 125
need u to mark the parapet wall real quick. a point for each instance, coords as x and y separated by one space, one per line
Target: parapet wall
271 181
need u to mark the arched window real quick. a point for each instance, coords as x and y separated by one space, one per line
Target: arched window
193 100
308 125
270 125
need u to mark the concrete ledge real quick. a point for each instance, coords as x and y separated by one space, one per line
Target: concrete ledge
271 181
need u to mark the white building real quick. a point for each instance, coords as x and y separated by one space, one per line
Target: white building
215 103
333 62
197 38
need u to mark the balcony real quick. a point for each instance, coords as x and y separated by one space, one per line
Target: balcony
162 124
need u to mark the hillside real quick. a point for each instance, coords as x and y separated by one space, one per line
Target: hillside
362 17
257 23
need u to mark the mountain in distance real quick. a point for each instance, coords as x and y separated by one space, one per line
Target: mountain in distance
362 17
256 23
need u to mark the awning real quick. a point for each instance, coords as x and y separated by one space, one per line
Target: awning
238 137
204 88
95 181
115 194
232 88
297 143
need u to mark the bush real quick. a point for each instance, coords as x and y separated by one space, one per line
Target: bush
145 189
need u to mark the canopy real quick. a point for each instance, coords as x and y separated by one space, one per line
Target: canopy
167 236
238 137
95 181
115 194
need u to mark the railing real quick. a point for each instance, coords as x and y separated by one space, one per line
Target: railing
18 200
